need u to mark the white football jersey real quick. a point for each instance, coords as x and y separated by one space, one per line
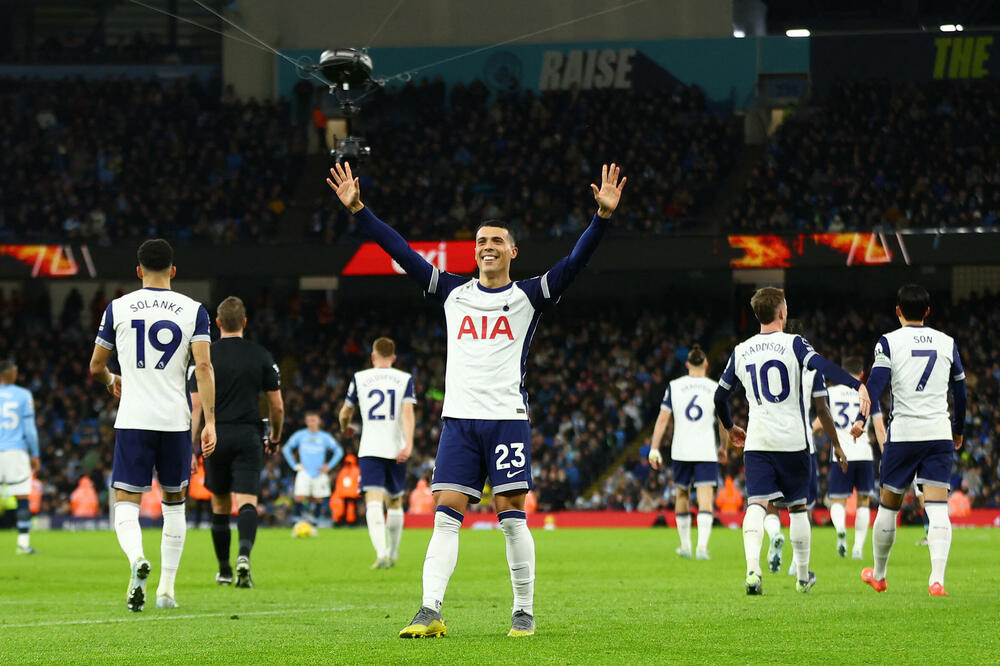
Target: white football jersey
380 394
922 361
769 366
813 386
489 332
152 331
844 406
691 401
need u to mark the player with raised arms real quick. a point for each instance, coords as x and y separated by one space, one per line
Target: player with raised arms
693 449
154 330
860 475
486 434
918 364
386 398
776 458
19 457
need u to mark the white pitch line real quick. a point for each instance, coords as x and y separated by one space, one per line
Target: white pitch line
193 616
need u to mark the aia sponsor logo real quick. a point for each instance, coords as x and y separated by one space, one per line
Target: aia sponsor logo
486 328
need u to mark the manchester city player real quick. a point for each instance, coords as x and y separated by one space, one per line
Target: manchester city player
918 364
154 330
776 442
312 469
385 396
486 434
18 449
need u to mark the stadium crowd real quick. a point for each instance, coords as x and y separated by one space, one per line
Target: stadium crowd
880 155
442 160
595 382
127 158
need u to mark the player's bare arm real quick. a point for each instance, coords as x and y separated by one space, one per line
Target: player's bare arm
409 423
826 419
345 416
737 436
880 433
659 431
195 430
205 375
724 442
99 371
276 417
609 193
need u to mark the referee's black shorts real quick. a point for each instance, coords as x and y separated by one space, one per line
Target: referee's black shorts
237 461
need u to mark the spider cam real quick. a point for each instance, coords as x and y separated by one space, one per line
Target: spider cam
349 73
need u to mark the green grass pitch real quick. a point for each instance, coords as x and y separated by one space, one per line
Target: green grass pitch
602 596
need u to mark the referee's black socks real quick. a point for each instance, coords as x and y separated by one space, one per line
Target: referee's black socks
246 525
220 539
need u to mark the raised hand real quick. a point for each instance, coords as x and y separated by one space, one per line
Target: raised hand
346 186
610 191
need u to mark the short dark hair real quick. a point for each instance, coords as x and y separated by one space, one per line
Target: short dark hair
231 313
498 223
854 365
913 301
765 303
697 355
6 365
155 255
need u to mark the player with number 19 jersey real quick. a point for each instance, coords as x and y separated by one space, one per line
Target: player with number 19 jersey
152 331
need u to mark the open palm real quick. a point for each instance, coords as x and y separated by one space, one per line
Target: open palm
346 186
610 191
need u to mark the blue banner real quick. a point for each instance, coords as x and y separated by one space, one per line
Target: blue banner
726 69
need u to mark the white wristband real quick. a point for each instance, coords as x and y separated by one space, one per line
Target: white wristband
112 379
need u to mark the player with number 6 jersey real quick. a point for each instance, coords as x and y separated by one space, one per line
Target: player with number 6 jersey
490 321
154 330
693 449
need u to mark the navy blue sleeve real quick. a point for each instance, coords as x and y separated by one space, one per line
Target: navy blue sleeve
396 246
106 331
810 359
819 387
722 406
667 402
431 280
958 394
352 393
550 286
878 380
202 326
957 371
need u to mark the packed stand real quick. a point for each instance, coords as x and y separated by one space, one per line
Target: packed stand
880 156
444 160
125 159
837 332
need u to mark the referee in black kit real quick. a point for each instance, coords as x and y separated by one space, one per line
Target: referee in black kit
243 370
